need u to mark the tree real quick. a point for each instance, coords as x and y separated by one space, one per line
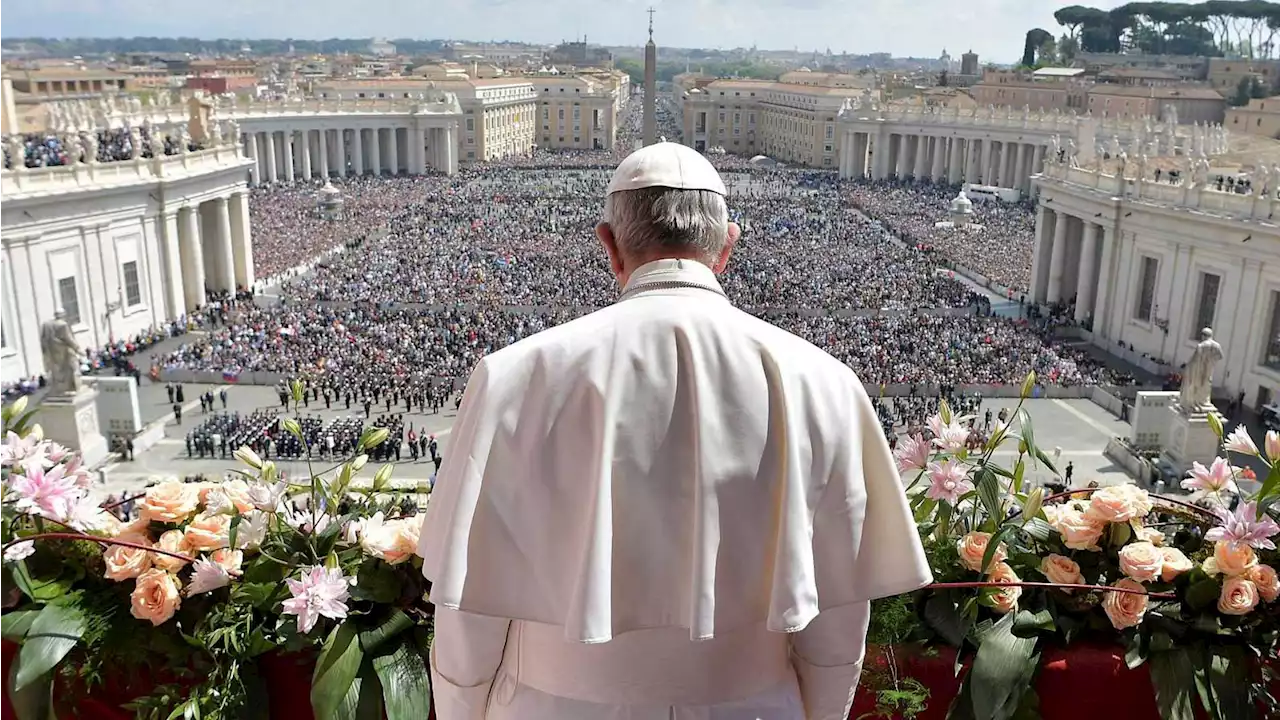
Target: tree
1036 38
942 79
1248 88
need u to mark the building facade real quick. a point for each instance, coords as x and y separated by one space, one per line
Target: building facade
575 111
1260 117
1013 89
1147 265
118 247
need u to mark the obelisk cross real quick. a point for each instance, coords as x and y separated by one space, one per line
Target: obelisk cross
651 11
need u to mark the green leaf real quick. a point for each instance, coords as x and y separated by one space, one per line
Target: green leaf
1027 430
941 613
52 635
1203 594
336 670
406 691
258 594
1047 462
395 623
989 493
1271 485
1019 471
1027 624
994 544
33 702
363 700
40 590
1002 671
1229 675
234 529
14 625
378 582
1038 529
925 509
1173 678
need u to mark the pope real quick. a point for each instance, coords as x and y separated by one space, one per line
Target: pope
667 508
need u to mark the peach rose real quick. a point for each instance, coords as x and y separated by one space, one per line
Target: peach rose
973 547
1239 596
1005 600
1264 576
1119 503
229 560
238 492
125 563
391 540
1141 561
407 536
169 502
1061 569
173 541
1175 563
1079 531
155 596
1125 610
1230 560
1151 535
209 532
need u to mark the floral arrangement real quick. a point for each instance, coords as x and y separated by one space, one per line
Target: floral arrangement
1186 585
207 581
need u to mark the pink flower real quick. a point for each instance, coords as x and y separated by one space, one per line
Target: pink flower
57 452
948 436
1243 527
20 551
912 453
1239 441
321 592
206 576
948 480
27 453
1272 444
1213 481
46 492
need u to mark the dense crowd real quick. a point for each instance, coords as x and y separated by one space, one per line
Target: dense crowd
108 145
1001 251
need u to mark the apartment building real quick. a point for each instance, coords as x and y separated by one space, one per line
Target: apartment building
1260 117
1225 73
1050 92
576 111
498 114
69 82
788 121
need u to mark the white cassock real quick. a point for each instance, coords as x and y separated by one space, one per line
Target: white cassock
665 509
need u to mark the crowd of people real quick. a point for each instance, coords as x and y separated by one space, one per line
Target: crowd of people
1001 251
44 149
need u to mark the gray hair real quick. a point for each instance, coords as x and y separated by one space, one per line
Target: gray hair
658 218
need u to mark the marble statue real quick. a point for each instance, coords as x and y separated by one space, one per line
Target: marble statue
1200 171
1056 141
61 356
1071 149
90 141
1273 179
17 150
1197 381
135 142
235 132
184 139
215 132
1142 168
1171 114
1123 166
1114 149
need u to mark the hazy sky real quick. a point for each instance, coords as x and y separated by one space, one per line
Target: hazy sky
993 28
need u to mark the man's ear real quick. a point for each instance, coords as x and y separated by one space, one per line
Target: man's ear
723 261
605 234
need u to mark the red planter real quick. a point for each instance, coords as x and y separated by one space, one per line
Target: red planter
1084 681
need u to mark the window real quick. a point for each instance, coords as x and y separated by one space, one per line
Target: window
69 299
576 139
1147 288
1207 304
721 117
1272 357
471 124
132 288
546 113
831 131
577 112
560 113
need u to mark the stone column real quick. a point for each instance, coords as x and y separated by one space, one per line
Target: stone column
287 136
251 151
451 148
1086 283
393 150
1040 255
375 150
241 240
1037 160
1057 257
192 252
324 154
1021 176
167 229
357 151
974 153
224 256
306 154
939 159
955 164
270 152
988 148
1103 299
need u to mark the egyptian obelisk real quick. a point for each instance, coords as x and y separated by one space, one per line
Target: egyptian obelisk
650 134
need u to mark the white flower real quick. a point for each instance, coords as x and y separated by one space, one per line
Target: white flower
252 530
207 575
87 516
20 551
267 497
1239 441
352 530
25 452
218 502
